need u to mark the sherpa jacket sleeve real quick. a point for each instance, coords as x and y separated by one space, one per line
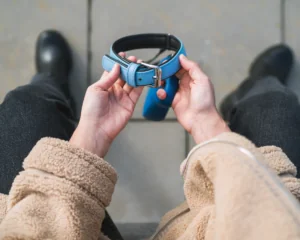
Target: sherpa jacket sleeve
61 194
240 191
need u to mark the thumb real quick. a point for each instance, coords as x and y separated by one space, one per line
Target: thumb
161 94
192 68
108 79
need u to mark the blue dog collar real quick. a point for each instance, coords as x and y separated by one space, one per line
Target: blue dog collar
145 74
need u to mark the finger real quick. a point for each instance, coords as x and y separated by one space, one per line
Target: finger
108 79
180 73
192 67
127 88
120 82
161 94
135 94
184 79
122 54
132 58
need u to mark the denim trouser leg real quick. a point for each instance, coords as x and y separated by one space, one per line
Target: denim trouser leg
269 114
27 114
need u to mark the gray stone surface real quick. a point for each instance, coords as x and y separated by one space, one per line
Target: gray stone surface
20 24
292 38
137 231
147 157
223 36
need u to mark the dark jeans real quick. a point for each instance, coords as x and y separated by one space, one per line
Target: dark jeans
29 113
269 114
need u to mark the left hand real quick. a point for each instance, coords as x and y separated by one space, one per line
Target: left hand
194 103
108 105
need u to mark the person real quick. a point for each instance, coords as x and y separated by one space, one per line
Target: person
233 189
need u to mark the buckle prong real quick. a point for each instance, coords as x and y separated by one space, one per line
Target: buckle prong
157 77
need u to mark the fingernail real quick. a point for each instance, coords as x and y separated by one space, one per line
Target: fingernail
182 56
115 67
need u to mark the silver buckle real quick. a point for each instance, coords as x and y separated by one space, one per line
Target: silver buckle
157 76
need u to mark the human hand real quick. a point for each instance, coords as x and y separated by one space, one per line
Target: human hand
108 105
194 103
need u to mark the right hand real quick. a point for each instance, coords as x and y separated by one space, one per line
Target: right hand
194 103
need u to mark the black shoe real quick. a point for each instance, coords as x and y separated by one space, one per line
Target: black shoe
53 54
276 61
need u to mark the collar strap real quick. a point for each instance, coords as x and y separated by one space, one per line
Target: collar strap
144 74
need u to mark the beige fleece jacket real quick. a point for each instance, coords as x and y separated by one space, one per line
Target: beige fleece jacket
231 189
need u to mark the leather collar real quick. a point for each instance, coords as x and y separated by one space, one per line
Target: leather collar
145 74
